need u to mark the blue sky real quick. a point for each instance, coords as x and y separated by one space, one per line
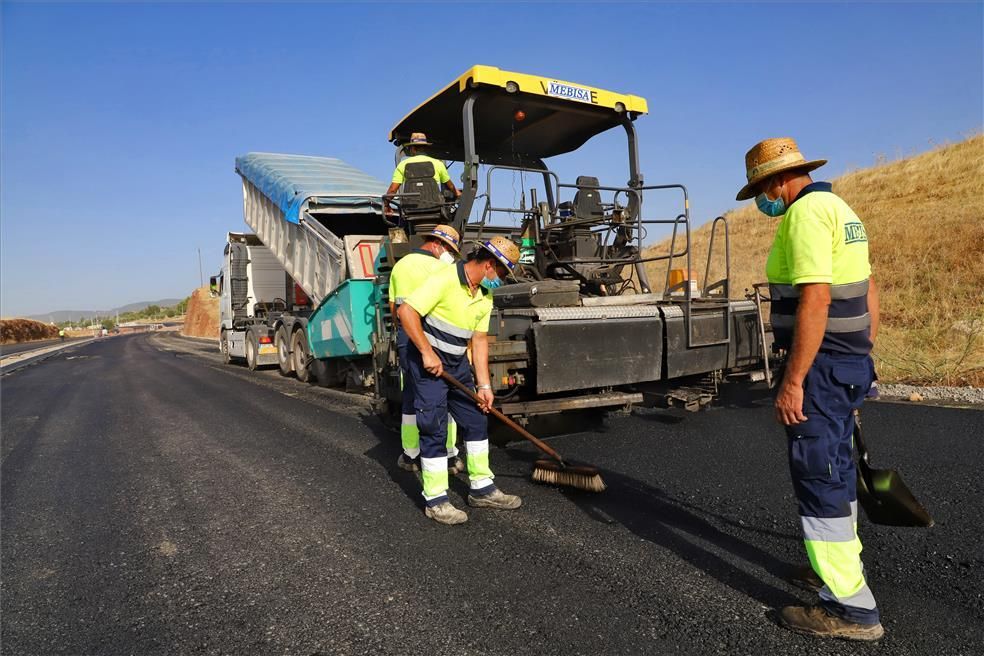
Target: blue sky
120 122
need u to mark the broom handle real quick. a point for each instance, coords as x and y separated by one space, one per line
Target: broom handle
540 444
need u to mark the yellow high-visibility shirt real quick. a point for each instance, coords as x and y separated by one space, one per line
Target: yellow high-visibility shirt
451 313
821 240
411 272
440 171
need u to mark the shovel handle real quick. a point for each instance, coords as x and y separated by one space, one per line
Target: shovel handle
540 444
864 467
858 439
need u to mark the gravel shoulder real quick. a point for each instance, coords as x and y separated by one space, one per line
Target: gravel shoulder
957 396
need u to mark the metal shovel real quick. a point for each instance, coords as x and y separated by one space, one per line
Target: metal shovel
885 498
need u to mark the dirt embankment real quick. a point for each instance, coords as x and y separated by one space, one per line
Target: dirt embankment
25 330
202 317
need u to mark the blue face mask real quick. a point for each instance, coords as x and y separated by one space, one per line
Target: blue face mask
491 284
768 207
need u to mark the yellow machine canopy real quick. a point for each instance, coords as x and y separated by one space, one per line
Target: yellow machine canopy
514 117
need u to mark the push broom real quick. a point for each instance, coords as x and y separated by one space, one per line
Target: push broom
551 472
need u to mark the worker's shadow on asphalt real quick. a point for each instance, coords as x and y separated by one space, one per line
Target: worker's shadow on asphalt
386 452
686 530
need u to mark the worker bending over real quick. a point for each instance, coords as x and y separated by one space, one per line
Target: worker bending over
416 148
825 315
448 311
439 250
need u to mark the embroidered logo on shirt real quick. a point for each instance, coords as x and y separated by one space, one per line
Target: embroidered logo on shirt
854 232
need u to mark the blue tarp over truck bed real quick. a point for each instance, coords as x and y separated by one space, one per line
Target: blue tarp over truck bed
290 180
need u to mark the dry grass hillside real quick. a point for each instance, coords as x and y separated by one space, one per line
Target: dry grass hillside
925 221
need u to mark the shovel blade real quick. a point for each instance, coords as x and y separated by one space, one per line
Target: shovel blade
887 500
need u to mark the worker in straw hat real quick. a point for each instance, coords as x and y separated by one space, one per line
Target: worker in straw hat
442 317
416 150
825 316
439 249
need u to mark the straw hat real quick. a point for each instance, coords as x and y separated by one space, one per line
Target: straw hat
771 156
447 234
505 250
418 139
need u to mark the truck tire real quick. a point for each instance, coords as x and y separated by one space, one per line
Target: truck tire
224 348
283 352
252 350
299 355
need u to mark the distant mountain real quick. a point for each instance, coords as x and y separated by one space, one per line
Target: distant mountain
75 315
135 307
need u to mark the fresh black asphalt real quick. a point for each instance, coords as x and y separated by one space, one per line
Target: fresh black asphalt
11 349
155 501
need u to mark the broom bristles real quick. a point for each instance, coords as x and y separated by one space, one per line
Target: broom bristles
552 474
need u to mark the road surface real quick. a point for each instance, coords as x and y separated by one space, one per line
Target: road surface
10 349
155 501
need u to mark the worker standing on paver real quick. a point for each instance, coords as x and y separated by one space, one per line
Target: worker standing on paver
825 315
61 334
440 249
447 312
416 148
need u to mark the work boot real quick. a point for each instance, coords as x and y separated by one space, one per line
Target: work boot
406 463
804 577
817 622
445 513
455 465
496 499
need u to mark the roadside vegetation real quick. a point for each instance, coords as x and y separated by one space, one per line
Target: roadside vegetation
925 220
149 313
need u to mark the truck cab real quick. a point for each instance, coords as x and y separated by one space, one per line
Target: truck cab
252 290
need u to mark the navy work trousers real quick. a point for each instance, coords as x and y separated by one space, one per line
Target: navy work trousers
433 400
822 467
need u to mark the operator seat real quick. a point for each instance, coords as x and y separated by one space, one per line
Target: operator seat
587 201
427 206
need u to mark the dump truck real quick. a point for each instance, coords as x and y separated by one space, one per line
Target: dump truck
579 327
318 222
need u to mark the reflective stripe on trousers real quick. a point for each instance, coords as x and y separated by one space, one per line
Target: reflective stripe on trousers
434 399
821 465
409 435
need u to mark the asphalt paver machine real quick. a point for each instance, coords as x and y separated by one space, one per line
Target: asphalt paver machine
581 325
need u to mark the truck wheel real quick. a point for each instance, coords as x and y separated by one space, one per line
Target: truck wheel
283 352
224 348
252 348
299 355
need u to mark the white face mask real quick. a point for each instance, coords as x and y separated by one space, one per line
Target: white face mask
447 258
